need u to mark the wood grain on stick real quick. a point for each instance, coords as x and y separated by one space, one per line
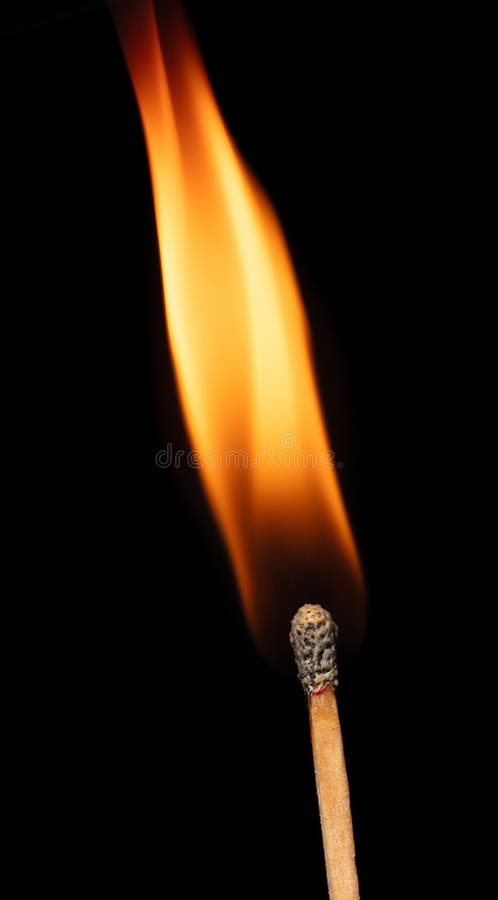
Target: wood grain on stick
333 796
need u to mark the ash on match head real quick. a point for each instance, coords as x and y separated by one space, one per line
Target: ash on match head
313 638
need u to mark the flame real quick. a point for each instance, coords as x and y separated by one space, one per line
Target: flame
241 347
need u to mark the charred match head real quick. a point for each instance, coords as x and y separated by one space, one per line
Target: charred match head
313 638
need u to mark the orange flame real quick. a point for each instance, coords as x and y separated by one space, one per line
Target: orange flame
240 345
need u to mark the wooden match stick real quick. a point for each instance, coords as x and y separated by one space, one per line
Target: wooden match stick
313 637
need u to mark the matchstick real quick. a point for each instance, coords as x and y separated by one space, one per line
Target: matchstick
313 637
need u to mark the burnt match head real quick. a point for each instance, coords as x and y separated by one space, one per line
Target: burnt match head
313 638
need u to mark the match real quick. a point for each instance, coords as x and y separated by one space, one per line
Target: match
313 637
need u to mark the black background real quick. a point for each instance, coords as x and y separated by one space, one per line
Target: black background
183 758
